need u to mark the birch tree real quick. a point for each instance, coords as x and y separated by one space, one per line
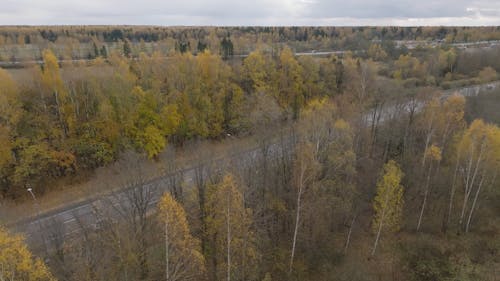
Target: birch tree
434 154
229 227
305 168
388 203
477 163
183 259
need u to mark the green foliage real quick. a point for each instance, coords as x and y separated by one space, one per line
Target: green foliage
226 47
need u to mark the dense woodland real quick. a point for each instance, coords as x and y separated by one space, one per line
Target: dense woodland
372 174
18 43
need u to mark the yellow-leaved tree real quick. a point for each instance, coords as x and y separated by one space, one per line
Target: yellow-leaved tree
258 72
10 112
229 229
388 203
290 83
183 259
478 161
434 154
152 124
53 85
17 262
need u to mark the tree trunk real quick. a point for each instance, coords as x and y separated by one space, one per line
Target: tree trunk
228 238
474 204
382 217
426 193
378 233
349 234
470 183
166 250
452 194
430 131
297 218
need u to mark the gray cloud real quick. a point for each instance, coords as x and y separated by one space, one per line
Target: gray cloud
251 12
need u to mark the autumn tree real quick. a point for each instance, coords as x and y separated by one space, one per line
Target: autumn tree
258 73
305 169
388 202
152 124
17 262
447 60
10 104
10 113
330 204
376 52
53 85
183 259
312 84
258 81
434 156
487 74
229 226
408 66
221 99
129 238
478 153
440 120
359 80
290 83
330 74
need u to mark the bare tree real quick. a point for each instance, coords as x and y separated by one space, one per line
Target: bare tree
132 204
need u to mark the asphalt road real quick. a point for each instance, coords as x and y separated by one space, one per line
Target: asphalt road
66 222
48 229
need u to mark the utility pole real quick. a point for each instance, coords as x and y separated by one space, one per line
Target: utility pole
37 206
38 212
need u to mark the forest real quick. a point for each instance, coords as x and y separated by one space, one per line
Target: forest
370 164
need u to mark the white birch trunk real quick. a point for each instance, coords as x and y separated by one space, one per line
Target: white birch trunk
228 237
474 204
452 192
378 232
470 183
167 271
296 230
348 239
426 193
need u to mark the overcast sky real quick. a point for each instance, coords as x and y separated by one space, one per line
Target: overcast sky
251 12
